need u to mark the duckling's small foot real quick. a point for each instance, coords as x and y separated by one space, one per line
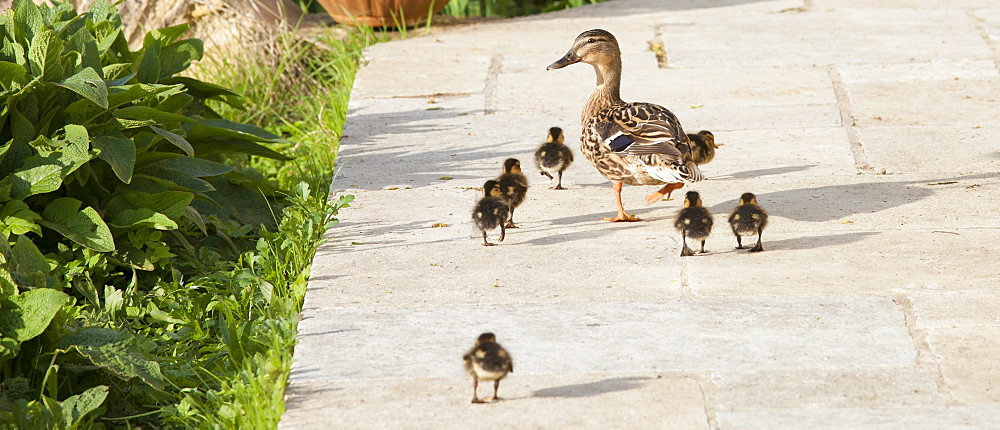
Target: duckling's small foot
686 252
493 399
489 244
558 187
478 400
757 248
510 224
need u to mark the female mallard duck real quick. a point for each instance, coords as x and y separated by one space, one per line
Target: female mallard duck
748 218
513 185
554 156
702 147
693 221
487 361
629 143
491 211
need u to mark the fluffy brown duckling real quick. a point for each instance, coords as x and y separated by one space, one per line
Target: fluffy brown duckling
747 219
694 221
487 361
513 185
491 211
702 147
553 157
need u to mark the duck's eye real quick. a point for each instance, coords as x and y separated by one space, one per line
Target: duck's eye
591 40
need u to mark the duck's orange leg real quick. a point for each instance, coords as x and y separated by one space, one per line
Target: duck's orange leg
622 216
669 188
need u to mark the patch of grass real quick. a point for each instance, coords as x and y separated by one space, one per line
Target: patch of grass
297 87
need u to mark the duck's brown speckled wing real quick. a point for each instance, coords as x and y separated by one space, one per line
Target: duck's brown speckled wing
658 152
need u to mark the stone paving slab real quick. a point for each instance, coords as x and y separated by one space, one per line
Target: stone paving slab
867 418
868 131
694 334
825 388
542 402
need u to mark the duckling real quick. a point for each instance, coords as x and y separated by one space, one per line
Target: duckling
702 147
694 221
491 211
748 218
487 361
513 185
554 156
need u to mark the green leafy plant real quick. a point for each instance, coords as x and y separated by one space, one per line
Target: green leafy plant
108 149
117 180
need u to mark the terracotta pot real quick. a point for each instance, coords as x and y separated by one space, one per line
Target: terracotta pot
382 13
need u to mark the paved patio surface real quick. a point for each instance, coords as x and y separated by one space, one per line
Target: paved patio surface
870 133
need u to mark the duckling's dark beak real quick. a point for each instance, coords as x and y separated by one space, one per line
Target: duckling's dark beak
569 58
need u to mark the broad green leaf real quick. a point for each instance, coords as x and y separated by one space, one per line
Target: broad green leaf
195 217
197 167
147 67
77 151
177 57
85 227
169 203
28 19
127 124
246 204
136 258
237 146
11 74
199 88
118 72
17 218
27 258
182 179
118 152
119 95
22 128
220 128
146 112
38 175
175 139
45 56
26 315
115 352
144 218
159 315
168 34
88 84
101 10
175 102
78 406
44 172
84 43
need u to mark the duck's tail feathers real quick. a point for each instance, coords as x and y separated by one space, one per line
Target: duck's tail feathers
683 173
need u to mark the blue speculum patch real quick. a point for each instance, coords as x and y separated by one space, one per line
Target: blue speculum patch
620 143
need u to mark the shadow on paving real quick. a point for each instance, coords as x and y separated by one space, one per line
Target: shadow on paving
595 388
830 202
